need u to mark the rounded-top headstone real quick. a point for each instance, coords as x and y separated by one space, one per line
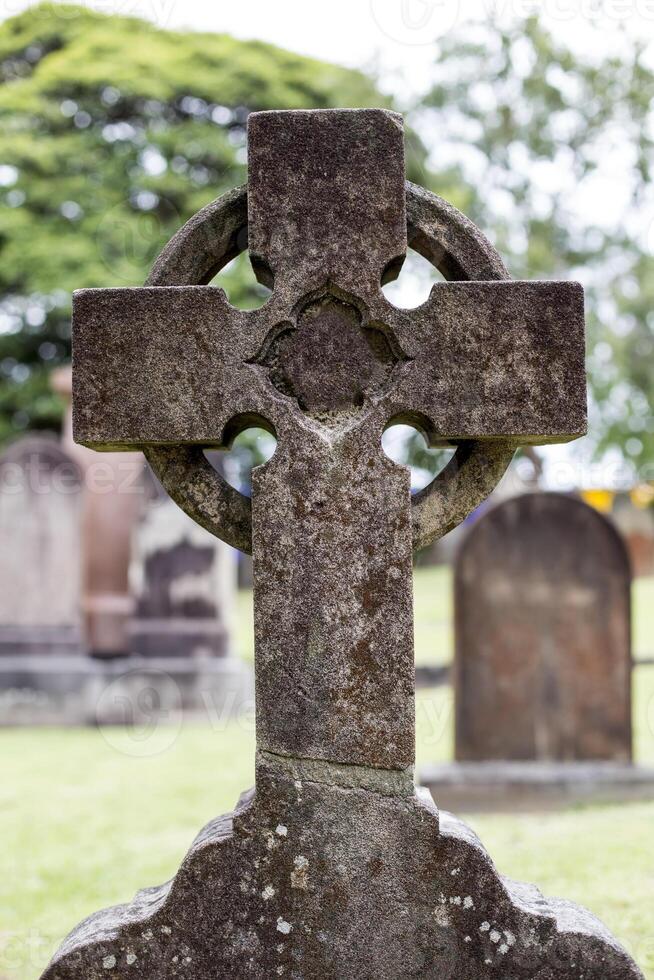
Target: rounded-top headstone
543 656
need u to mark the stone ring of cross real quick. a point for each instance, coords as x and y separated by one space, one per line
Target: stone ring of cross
443 236
328 353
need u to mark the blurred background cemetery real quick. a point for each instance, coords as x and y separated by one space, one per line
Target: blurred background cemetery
126 643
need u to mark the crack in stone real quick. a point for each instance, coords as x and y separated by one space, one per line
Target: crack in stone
383 782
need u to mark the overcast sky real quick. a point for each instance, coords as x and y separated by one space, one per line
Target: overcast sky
398 34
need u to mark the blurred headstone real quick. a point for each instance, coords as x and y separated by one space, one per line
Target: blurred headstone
180 657
40 568
245 576
112 500
635 520
184 586
542 635
44 671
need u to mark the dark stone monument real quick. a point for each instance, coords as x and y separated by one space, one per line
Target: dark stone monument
542 624
336 866
183 582
542 666
184 586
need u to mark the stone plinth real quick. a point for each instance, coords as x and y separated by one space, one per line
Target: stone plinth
111 502
330 873
505 787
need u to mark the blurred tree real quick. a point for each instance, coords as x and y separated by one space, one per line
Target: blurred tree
554 151
112 134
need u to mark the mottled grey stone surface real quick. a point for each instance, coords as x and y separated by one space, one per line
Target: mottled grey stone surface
335 881
336 868
326 198
477 360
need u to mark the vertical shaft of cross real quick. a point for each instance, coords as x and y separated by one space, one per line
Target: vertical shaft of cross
330 513
333 610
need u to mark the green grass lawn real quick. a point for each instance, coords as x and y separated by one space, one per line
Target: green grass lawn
85 820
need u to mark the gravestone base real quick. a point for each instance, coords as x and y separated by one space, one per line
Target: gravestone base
80 690
46 689
178 637
137 689
22 641
336 872
536 786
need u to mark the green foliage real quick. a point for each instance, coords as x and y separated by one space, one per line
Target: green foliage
112 134
549 144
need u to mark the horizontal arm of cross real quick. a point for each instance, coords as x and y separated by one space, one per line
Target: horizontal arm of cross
498 360
483 360
161 365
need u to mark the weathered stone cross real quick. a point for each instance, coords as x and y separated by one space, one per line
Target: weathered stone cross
326 364
336 868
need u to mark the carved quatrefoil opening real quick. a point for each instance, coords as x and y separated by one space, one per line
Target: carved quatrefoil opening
331 358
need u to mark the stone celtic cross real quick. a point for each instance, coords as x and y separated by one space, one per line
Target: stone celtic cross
335 867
